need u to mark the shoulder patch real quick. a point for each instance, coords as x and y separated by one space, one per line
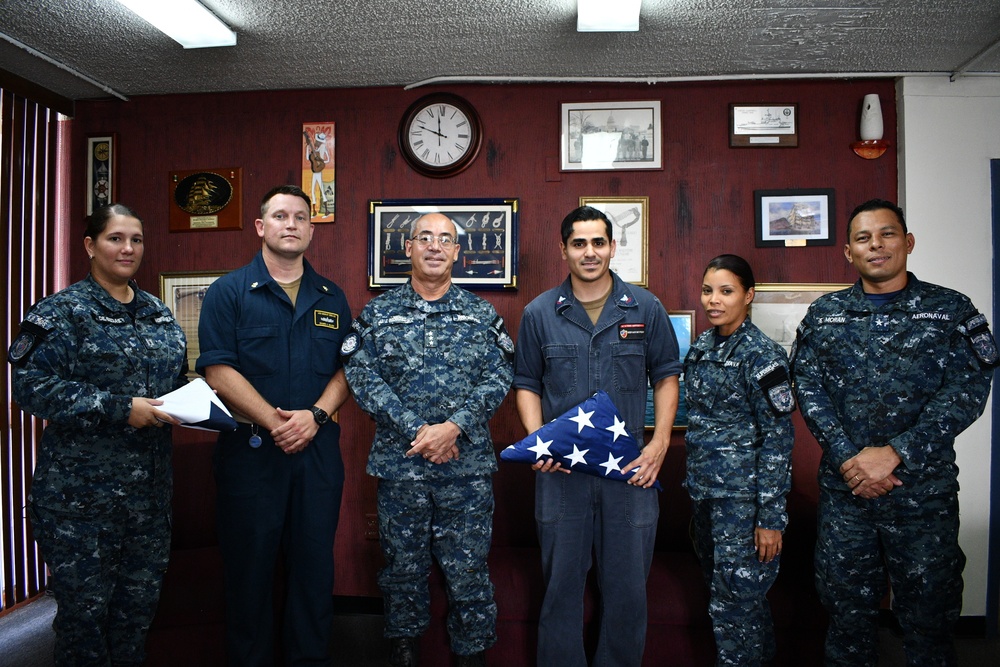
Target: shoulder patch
774 382
27 340
977 330
351 344
504 341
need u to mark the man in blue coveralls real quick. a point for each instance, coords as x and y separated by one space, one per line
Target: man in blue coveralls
593 332
270 336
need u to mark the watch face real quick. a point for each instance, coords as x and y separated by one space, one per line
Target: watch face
440 135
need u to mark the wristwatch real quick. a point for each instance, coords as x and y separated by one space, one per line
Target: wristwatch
319 414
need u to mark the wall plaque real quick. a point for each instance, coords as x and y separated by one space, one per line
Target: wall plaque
206 200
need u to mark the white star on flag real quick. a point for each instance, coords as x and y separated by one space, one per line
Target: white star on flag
582 419
618 428
541 448
577 456
611 465
565 440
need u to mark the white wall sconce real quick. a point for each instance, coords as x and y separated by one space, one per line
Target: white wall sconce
871 145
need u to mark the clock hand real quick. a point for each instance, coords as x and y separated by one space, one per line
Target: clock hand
427 129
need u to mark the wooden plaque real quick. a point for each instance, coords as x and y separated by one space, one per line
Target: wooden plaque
206 199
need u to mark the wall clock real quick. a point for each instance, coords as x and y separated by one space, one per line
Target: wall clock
440 135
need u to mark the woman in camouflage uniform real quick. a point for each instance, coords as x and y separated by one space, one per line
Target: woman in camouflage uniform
89 360
739 446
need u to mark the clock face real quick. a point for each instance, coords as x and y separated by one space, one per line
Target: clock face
440 135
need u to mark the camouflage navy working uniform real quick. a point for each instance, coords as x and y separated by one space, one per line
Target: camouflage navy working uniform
739 446
411 362
100 497
913 374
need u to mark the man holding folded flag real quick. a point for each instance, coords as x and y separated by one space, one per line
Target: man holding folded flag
595 332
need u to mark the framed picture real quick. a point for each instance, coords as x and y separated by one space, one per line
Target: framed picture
487 238
102 171
611 135
629 218
778 308
184 292
683 323
763 125
786 218
318 173
203 200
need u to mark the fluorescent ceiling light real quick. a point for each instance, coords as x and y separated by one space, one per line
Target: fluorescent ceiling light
186 21
606 15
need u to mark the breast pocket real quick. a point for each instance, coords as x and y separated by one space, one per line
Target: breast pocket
560 369
325 350
258 351
629 367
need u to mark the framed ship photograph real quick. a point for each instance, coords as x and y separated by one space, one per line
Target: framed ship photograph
763 126
790 218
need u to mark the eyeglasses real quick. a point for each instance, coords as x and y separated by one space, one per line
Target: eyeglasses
446 240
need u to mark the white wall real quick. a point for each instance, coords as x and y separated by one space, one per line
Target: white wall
948 132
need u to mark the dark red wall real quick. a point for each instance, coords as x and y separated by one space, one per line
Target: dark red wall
700 204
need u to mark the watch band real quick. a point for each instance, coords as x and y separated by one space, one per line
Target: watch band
319 414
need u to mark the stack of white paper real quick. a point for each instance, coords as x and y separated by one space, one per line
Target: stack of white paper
197 406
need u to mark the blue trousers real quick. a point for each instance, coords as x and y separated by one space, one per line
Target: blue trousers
913 540
106 578
577 515
451 520
270 502
723 531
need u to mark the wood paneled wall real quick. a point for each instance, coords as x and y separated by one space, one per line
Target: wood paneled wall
701 203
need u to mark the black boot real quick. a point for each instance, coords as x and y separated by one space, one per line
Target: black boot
474 660
404 652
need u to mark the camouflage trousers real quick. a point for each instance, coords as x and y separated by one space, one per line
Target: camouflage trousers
722 532
451 520
909 540
106 577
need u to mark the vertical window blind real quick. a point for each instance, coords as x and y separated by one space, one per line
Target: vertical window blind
29 149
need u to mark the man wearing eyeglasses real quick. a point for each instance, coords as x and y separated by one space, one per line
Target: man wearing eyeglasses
431 363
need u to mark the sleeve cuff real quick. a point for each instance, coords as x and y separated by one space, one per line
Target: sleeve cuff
119 408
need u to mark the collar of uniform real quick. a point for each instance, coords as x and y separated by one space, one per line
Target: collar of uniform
112 303
706 342
311 281
908 300
621 294
448 301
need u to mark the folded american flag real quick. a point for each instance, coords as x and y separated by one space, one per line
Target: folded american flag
590 438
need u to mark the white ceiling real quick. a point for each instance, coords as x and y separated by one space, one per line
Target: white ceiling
283 44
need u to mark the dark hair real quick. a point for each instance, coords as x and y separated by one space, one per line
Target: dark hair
875 205
582 214
736 265
293 190
98 221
